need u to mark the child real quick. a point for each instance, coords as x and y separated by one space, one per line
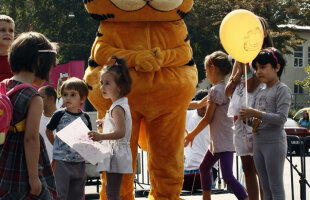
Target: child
25 170
217 68
7 28
235 89
271 106
194 154
115 83
49 97
68 165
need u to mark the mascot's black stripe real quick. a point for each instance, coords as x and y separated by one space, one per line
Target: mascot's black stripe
99 34
191 62
87 1
181 13
92 63
89 87
187 38
102 17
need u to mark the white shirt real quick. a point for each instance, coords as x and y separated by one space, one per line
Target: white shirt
42 130
194 155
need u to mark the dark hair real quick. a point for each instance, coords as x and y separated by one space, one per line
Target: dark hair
49 91
6 19
220 60
118 67
32 52
77 84
268 42
307 118
270 55
200 94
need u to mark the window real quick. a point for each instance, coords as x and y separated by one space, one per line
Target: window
298 89
308 55
298 57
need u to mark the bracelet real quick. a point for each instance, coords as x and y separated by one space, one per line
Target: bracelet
249 75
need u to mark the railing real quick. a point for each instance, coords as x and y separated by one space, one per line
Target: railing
297 148
302 152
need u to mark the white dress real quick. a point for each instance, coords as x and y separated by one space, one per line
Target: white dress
120 158
238 100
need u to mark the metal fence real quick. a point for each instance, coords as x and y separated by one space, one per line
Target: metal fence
142 181
302 153
300 101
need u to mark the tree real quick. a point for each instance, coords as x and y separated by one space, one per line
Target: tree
306 82
51 17
205 19
76 35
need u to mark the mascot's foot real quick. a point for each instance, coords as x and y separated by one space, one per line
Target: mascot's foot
151 197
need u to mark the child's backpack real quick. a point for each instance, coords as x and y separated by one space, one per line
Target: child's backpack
6 108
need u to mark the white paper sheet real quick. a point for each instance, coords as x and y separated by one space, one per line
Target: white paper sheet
76 136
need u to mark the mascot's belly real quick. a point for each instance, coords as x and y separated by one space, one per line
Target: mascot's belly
143 35
159 57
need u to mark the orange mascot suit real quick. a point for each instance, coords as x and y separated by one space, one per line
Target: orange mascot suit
152 36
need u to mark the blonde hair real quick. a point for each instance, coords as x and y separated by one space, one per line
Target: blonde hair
7 19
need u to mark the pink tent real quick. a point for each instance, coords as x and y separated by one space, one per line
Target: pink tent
60 73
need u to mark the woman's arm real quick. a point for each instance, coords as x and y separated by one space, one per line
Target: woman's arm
118 115
32 143
234 79
205 121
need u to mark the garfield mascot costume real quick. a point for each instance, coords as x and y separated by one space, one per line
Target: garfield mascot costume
152 37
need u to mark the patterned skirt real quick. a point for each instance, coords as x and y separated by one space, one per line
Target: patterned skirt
14 174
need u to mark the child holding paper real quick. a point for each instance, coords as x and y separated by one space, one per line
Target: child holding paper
68 165
115 83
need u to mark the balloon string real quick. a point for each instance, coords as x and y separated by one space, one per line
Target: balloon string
246 87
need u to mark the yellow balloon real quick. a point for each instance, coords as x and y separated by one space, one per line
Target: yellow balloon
242 35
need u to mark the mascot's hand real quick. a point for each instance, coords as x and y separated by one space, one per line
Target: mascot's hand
149 60
158 55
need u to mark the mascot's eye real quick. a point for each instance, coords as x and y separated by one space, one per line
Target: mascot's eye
129 5
165 5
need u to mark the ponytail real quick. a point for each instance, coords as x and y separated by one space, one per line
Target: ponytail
118 67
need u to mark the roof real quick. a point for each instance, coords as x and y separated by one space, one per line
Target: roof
294 26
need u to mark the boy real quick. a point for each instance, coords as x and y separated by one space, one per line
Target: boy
7 28
49 97
68 165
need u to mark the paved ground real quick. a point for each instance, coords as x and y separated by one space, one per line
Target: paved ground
287 181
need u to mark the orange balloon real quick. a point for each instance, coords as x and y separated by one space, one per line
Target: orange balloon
242 35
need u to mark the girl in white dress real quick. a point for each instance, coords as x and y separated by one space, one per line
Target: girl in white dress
115 83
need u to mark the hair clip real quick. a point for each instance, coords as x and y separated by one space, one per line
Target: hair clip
211 61
47 51
230 58
273 54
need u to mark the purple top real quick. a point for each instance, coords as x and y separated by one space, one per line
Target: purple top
221 133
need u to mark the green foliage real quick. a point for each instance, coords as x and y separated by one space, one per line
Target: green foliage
306 82
205 19
76 35
51 17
